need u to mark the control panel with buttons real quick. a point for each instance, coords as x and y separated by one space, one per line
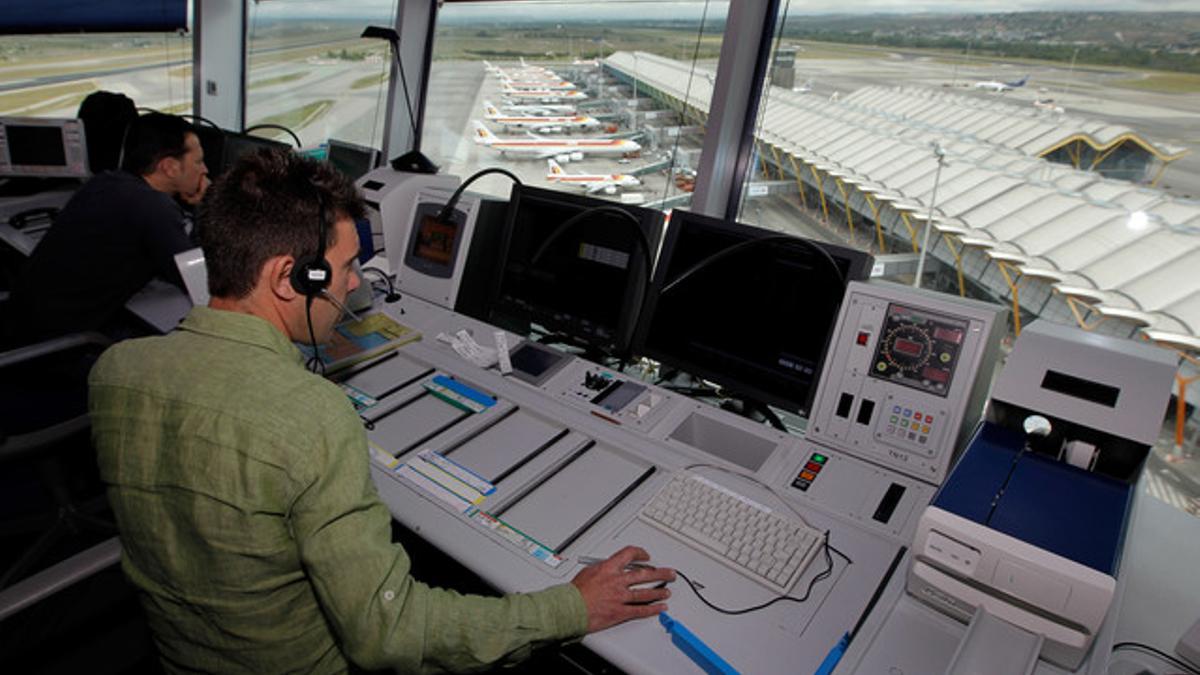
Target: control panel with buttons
905 377
610 396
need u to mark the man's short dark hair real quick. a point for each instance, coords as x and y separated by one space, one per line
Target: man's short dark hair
265 206
151 138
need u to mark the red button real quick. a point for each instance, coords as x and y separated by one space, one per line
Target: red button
863 337
813 467
929 418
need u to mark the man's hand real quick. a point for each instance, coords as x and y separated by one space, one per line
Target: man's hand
194 198
606 589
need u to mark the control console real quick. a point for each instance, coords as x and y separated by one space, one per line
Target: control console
906 376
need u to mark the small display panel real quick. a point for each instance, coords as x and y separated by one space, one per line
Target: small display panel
434 240
534 363
36 146
918 349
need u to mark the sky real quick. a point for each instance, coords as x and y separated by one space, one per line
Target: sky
657 9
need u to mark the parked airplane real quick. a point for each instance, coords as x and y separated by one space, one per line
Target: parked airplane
535 83
1000 87
542 123
593 183
563 150
544 95
608 183
537 72
561 109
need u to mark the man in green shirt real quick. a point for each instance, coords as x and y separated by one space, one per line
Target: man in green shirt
240 481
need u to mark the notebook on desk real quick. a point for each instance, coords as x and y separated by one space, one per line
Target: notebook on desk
356 341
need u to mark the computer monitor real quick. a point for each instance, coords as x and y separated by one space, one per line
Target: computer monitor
40 147
588 283
756 320
354 161
236 145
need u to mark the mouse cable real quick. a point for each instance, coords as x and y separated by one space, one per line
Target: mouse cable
1157 652
823 574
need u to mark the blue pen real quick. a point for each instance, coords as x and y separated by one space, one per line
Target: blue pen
834 655
696 650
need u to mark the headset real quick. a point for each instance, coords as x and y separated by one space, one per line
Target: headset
311 275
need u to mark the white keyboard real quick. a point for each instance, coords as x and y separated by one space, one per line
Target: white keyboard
769 547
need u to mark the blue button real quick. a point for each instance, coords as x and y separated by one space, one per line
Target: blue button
908 412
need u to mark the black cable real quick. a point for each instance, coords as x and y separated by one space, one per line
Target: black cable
444 215
1157 652
625 217
200 118
315 364
750 243
280 127
392 295
820 576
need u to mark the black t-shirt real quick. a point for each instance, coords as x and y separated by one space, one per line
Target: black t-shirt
113 236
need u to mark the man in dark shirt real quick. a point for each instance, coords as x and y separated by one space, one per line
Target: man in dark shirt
119 231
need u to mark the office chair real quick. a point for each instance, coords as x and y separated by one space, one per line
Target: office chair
44 420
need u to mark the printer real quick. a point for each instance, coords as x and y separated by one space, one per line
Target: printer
1029 525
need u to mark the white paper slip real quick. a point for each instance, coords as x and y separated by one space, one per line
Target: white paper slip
502 352
433 489
383 456
459 471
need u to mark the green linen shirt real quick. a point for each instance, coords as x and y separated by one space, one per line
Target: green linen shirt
251 527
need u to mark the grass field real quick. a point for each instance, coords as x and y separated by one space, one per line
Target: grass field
296 118
369 81
33 101
1162 83
290 77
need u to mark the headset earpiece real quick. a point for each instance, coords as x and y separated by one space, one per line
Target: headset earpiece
311 274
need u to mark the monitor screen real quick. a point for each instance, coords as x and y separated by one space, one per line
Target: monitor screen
589 282
42 147
36 146
354 161
918 349
236 145
434 241
755 321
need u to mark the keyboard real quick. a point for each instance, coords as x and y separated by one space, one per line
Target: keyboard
769 547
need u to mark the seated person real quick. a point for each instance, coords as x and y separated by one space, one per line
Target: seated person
240 481
120 230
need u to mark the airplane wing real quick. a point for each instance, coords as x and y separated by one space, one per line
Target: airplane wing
598 186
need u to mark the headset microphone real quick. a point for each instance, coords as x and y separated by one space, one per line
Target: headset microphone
344 309
310 277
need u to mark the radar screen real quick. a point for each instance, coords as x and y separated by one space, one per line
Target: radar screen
918 349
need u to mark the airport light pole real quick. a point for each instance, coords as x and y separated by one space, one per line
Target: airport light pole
940 154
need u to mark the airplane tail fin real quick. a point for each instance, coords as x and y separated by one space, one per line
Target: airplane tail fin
482 135
556 169
491 110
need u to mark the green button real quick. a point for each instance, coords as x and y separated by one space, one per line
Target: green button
818 458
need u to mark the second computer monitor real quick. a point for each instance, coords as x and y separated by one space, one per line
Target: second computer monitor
754 319
42 148
589 282
352 160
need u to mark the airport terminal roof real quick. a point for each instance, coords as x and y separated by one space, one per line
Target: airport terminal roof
1031 130
1129 250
